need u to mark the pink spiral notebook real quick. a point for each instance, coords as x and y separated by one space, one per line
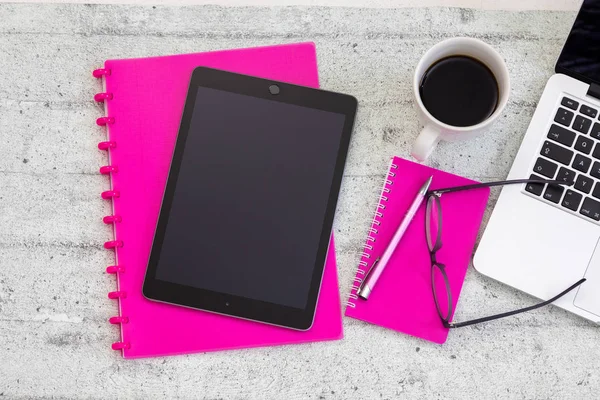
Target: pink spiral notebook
402 300
144 101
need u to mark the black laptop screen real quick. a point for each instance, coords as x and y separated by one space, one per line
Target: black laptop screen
580 56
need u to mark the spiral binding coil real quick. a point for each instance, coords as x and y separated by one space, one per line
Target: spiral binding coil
367 253
115 269
99 73
110 145
111 219
119 294
118 320
108 169
113 244
109 194
102 121
100 97
121 346
107 145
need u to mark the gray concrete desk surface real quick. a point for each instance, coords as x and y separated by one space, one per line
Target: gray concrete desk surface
54 335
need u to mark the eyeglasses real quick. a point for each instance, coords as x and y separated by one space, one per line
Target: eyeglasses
440 285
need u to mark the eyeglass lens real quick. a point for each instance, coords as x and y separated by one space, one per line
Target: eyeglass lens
439 279
433 223
441 291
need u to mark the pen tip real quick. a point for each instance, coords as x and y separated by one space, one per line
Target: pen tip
426 185
429 181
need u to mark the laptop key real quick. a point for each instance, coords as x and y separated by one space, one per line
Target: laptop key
596 192
596 153
553 193
582 124
595 133
545 167
561 135
589 111
572 104
563 116
584 183
591 209
584 144
581 163
557 153
595 172
565 175
535 188
572 200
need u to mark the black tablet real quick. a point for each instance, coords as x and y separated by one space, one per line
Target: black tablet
248 207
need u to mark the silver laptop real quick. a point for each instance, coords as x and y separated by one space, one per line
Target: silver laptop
541 239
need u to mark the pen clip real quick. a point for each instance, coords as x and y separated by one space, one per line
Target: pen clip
367 275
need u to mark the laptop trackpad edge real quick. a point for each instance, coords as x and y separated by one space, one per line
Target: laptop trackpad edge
588 295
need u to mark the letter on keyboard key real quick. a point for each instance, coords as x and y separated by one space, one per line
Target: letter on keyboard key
561 135
584 144
572 200
595 172
582 163
557 153
545 167
553 193
591 209
584 184
563 116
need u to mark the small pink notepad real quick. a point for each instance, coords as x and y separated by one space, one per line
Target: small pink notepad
402 300
144 101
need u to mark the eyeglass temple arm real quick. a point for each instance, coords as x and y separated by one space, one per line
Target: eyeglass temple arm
497 183
519 311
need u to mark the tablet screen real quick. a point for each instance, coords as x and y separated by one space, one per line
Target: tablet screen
251 195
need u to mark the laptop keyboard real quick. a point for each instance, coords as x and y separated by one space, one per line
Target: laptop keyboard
571 152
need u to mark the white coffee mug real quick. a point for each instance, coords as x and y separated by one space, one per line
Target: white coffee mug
435 130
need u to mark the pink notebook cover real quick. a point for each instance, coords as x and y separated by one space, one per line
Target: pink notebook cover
402 300
144 103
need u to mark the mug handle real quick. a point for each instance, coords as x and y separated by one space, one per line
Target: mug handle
426 142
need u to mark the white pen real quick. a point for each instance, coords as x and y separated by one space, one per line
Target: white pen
380 263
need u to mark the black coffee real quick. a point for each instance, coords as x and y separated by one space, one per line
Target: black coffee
459 91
